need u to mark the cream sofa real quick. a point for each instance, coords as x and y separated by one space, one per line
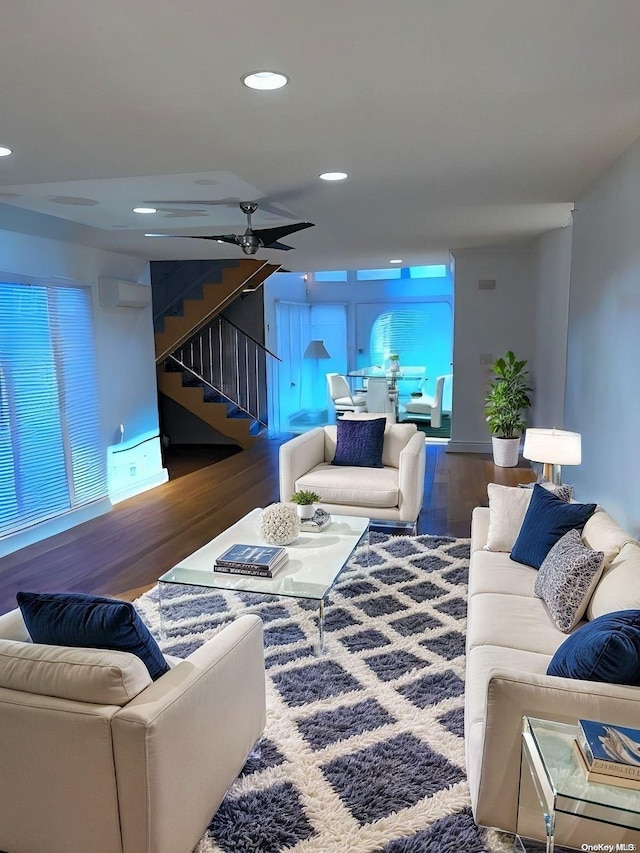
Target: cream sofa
97 758
510 642
391 493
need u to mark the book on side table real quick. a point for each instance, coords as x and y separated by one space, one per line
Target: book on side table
610 753
261 560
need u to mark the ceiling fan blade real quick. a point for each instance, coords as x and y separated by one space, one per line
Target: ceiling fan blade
272 235
277 245
219 238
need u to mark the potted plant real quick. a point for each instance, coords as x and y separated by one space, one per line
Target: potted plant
305 501
394 362
506 400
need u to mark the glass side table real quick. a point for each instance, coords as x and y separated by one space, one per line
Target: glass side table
547 749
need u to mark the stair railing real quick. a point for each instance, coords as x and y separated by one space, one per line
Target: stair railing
231 363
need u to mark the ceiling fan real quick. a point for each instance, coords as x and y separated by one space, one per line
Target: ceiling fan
253 239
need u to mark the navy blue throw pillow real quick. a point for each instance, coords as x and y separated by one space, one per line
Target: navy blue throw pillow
90 622
606 649
360 443
547 519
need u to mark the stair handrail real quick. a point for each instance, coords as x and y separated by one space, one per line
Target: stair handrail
217 390
221 317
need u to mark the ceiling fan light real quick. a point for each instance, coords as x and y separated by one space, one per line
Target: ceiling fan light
4 152
144 210
265 80
333 176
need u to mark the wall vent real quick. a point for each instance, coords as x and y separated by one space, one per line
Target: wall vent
487 284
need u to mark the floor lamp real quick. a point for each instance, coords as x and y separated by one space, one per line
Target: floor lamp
316 350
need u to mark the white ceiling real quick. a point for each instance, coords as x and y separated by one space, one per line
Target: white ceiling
461 123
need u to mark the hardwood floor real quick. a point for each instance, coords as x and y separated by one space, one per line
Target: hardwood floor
124 552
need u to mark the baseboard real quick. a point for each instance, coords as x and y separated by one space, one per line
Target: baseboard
469 447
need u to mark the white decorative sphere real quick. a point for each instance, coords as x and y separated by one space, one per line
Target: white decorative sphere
279 524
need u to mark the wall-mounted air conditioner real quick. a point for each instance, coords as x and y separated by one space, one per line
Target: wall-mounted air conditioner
115 293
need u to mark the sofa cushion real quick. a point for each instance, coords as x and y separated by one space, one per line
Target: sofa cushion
602 533
370 487
619 585
546 520
607 649
512 621
84 675
359 443
507 508
566 579
91 622
497 572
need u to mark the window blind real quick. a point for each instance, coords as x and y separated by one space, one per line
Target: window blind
51 458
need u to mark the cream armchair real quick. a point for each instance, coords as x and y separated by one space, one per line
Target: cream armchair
391 493
98 758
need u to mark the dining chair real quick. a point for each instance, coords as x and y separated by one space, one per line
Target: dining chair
343 399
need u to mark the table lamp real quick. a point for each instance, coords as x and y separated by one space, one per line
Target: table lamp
554 448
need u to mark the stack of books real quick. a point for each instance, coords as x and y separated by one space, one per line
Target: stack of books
610 754
319 520
260 560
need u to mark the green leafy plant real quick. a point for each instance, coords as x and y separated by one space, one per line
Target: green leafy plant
508 396
304 498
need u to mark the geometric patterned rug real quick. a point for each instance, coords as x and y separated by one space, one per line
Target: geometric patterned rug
363 749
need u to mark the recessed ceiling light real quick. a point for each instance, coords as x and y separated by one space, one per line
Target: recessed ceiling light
144 210
4 152
265 80
333 176
395 261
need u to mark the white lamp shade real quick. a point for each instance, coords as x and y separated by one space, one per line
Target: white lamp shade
553 446
316 349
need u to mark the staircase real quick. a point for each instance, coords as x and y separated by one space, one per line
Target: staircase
208 365
196 313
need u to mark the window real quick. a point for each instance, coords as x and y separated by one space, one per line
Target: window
50 449
378 275
330 275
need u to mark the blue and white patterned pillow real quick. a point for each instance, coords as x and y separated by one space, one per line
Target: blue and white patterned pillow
567 577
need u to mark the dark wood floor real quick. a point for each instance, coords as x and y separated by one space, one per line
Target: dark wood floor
125 551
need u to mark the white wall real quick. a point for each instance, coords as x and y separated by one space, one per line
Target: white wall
551 274
602 399
125 350
487 323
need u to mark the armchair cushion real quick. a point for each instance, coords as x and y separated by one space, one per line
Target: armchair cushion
360 443
375 488
84 675
90 622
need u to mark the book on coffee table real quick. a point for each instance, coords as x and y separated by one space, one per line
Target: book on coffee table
609 750
263 560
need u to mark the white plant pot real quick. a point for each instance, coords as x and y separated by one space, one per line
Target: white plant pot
305 511
505 451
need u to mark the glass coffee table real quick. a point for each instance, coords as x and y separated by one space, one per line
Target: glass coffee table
562 788
316 558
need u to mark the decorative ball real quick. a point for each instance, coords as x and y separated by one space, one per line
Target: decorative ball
279 524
